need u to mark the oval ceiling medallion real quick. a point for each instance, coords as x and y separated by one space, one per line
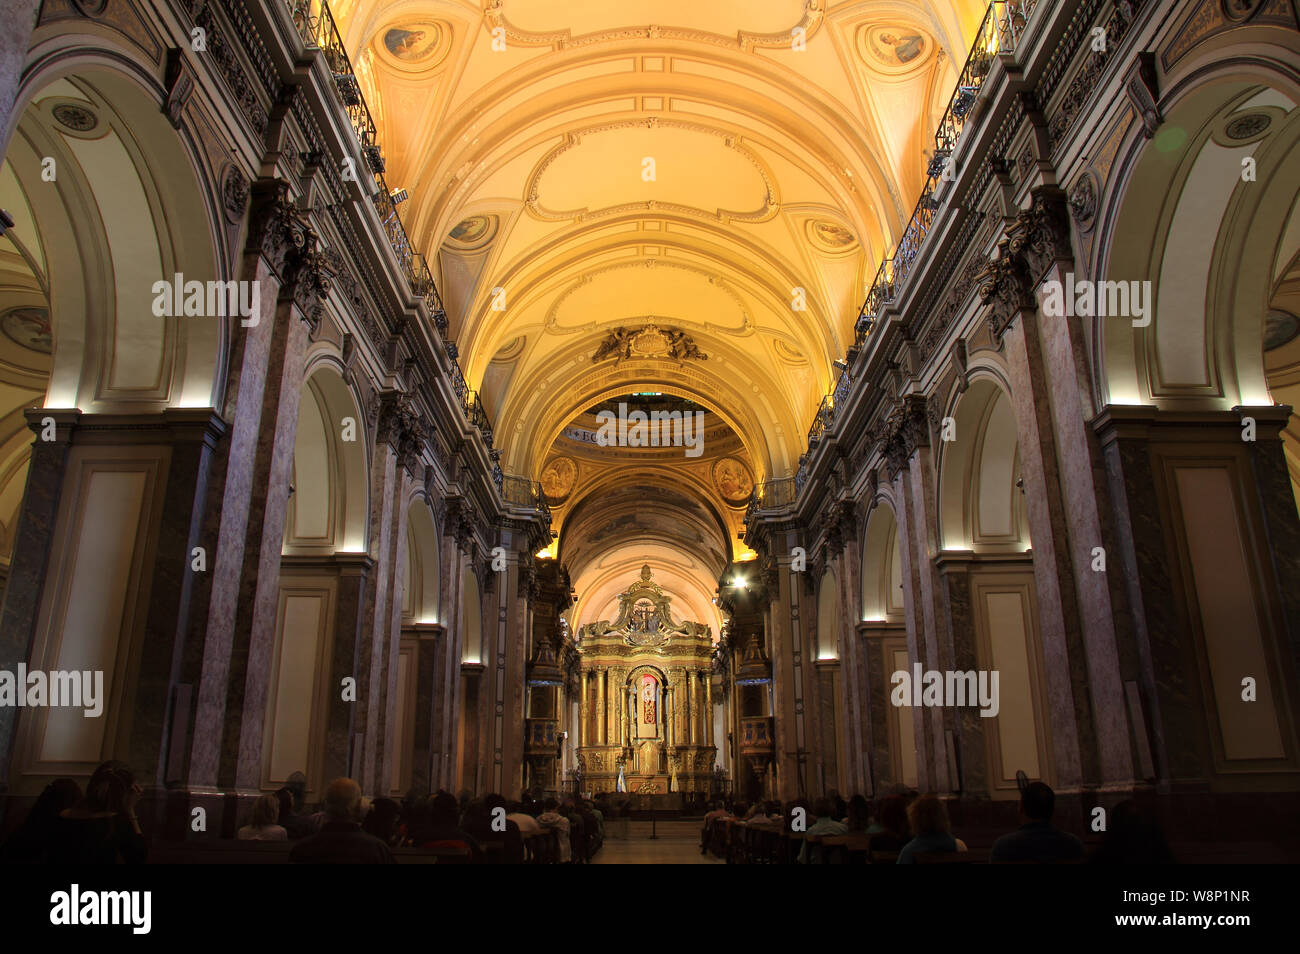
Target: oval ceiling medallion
1249 126
558 479
29 327
75 117
1280 327
731 478
415 45
830 236
894 47
473 233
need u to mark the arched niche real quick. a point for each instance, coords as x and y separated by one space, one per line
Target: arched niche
828 643
882 568
471 618
980 505
328 511
421 599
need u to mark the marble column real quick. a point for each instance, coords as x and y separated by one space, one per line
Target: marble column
29 568
391 651
341 715
15 40
425 757
193 436
228 652
447 691
789 636
914 629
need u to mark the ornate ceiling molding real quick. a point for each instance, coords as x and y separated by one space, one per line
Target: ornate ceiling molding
532 202
553 325
812 18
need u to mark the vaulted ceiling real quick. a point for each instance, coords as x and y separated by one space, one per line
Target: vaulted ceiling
731 171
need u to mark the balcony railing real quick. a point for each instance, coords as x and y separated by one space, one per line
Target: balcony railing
1001 29
522 492
315 24
771 494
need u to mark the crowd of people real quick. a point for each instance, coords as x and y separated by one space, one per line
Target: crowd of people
901 827
99 826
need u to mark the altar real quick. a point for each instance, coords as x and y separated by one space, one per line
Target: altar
645 691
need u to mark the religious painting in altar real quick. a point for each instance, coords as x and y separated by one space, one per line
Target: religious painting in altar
647 707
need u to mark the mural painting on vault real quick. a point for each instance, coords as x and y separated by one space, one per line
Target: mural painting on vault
645 697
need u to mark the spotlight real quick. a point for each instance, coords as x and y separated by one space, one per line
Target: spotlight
841 364
398 196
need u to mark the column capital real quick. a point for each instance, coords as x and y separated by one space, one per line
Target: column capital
1007 289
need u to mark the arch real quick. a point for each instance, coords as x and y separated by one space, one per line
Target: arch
330 515
828 642
1207 238
107 199
980 504
471 618
129 207
882 567
422 594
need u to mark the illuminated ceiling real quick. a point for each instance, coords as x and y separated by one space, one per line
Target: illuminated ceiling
577 166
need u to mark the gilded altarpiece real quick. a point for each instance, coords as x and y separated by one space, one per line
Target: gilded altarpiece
645 699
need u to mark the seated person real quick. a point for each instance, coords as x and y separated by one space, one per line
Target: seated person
490 826
30 841
551 818
262 826
1037 839
931 831
295 824
715 811
859 815
1133 837
892 831
101 829
340 840
824 823
381 820
526 823
441 829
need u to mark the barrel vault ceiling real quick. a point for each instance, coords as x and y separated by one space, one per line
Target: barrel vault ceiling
580 166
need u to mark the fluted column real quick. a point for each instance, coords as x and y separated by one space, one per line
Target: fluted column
582 710
693 705
708 708
600 706
669 715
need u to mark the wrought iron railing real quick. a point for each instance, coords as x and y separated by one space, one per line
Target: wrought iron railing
316 27
821 420
522 492
778 492
1001 29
